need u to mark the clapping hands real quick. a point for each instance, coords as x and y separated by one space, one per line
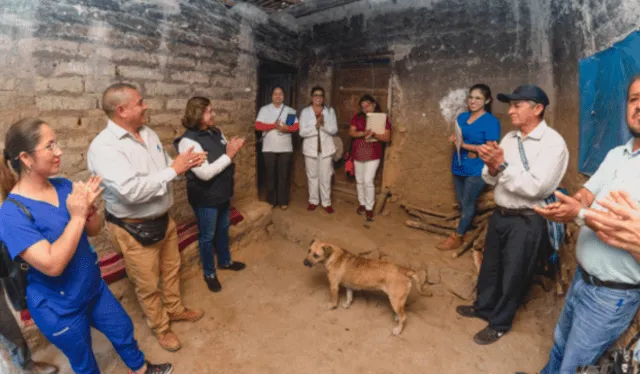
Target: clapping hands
620 225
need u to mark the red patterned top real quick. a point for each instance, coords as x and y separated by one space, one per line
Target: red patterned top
363 150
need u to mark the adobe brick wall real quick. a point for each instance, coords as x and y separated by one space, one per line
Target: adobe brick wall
437 46
58 57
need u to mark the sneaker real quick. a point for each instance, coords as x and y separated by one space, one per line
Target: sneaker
361 209
311 207
370 215
329 209
169 341
213 283
284 207
165 368
487 336
35 367
190 315
233 265
454 241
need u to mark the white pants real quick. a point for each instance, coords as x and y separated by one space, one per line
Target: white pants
319 173
365 174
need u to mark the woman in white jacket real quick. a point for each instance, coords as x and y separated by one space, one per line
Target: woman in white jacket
318 124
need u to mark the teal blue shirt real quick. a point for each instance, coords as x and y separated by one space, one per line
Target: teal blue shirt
484 129
620 170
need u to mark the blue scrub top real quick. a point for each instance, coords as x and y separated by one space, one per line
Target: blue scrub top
484 129
80 280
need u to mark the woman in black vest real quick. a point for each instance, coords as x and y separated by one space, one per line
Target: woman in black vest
210 185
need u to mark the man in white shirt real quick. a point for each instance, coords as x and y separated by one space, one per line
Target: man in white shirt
605 293
525 168
137 173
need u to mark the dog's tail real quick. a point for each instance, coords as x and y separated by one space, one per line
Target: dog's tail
420 278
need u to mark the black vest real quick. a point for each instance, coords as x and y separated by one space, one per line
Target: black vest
219 189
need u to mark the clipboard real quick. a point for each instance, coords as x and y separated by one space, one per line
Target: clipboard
376 122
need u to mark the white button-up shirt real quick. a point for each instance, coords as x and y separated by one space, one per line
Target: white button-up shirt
136 177
310 134
547 156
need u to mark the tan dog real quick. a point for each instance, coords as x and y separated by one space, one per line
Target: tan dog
359 273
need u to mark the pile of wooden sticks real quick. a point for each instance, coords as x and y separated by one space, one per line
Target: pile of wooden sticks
445 224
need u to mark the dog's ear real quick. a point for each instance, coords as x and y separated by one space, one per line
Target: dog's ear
327 249
312 241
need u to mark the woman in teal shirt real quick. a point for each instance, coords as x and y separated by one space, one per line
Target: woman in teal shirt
478 127
45 221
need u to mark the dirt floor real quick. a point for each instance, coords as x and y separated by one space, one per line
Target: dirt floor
271 317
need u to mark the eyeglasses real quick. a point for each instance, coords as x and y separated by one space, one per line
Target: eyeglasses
52 147
318 95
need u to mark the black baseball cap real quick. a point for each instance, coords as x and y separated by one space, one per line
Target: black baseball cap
526 92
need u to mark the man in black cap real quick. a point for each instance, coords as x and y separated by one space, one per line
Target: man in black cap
525 168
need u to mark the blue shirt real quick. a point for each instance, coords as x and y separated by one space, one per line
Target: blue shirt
620 170
80 280
484 129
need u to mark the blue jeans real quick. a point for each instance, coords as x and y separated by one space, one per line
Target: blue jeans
213 224
592 319
467 191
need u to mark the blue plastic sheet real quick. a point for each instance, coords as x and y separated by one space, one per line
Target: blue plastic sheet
604 79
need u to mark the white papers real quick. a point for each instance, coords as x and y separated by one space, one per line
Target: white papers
376 122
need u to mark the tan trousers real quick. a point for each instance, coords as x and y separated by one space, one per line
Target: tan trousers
154 271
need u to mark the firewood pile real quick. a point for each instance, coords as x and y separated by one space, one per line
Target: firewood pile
445 224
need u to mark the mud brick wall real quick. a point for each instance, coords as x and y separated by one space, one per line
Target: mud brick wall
437 46
58 57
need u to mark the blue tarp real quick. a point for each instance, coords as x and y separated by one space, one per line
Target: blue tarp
604 79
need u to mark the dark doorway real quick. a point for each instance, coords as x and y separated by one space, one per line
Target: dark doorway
350 82
271 74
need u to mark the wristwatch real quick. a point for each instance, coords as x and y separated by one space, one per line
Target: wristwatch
580 218
503 166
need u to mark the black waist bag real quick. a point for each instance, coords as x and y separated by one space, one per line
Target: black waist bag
146 232
13 273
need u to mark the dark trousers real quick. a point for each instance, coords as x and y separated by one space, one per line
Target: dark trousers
513 245
277 169
11 335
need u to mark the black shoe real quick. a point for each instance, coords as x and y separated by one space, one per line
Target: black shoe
467 311
158 369
213 283
487 336
235 266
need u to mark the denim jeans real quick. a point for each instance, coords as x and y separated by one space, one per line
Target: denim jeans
213 225
467 191
592 319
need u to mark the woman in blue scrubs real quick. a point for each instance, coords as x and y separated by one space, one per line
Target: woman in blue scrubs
65 292
478 127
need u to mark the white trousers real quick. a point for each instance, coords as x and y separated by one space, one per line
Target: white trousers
319 173
365 174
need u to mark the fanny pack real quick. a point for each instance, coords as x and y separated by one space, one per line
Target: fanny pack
147 232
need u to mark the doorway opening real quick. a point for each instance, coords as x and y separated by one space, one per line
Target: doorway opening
350 82
271 74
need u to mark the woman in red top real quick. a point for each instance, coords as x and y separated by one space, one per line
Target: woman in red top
367 153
